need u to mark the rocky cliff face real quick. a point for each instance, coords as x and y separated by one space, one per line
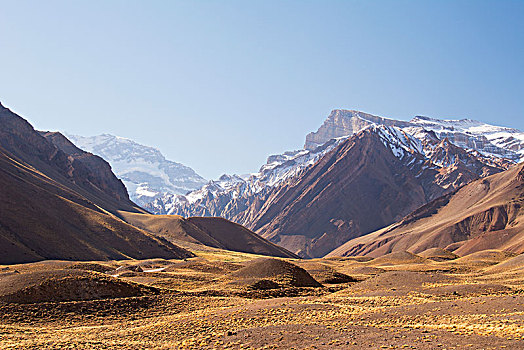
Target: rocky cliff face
342 123
465 133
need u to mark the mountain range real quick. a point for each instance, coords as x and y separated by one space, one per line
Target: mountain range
466 133
357 173
371 180
144 170
485 214
362 185
59 202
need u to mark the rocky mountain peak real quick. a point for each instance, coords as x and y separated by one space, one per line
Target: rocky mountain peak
145 171
343 123
469 134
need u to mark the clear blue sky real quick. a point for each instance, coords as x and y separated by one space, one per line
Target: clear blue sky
219 85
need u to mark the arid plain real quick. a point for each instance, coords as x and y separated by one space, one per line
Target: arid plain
222 299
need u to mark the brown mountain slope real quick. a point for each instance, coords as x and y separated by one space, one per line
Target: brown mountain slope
209 231
42 219
357 188
54 156
57 205
367 182
485 214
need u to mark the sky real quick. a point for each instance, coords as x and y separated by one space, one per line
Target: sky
220 85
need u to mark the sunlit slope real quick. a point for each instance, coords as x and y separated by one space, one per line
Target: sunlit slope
209 231
485 214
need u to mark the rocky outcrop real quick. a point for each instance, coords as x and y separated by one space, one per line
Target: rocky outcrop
341 123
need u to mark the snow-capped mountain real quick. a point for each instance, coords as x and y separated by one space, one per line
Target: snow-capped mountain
231 194
165 187
482 148
369 180
146 173
466 133
473 134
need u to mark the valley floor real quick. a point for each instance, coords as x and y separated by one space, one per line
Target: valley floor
404 302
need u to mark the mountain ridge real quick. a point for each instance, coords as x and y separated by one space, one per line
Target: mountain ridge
345 194
54 206
484 214
231 201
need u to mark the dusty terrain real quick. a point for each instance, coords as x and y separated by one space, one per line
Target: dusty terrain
221 299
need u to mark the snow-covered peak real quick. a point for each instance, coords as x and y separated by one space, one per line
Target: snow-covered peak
399 141
228 181
446 123
143 169
344 123
490 140
466 126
